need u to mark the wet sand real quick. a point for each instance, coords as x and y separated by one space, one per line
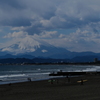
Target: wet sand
60 89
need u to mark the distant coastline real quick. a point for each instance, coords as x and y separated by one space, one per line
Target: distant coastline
46 61
82 63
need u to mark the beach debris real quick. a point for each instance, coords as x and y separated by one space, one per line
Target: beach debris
68 80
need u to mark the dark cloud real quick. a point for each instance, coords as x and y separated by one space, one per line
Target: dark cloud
54 14
37 29
16 22
11 3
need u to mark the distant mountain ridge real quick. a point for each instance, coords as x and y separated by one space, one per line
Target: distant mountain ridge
81 59
77 57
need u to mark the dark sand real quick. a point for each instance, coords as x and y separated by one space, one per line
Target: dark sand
43 90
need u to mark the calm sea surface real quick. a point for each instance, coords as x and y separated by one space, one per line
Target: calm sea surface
20 73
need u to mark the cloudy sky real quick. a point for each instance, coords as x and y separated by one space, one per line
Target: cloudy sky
71 24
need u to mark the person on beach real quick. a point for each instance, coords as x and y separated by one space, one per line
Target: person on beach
81 82
29 79
68 80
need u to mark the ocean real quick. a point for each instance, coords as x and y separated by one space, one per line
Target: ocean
21 73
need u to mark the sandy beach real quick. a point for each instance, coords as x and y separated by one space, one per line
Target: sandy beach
60 89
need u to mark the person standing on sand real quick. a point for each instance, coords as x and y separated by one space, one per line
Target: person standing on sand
29 79
81 82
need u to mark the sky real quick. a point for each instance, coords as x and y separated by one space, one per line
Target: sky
71 24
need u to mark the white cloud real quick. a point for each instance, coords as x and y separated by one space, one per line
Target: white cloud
81 40
50 13
18 28
49 34
19 34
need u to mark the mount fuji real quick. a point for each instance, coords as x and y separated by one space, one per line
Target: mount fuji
40 49
34 48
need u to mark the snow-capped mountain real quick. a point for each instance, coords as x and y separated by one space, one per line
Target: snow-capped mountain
35 48
22 47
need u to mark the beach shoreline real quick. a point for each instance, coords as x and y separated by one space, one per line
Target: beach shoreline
60 89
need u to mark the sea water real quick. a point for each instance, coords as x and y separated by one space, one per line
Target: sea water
21 73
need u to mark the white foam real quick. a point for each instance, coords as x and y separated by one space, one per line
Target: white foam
90 69
38 74
15 75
